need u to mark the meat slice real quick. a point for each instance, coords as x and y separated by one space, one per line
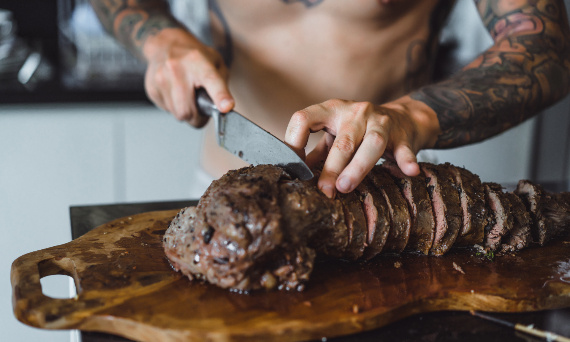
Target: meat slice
414 191
519 237
356 222
446 207
400 226
548 212
501 220
377 218
472 197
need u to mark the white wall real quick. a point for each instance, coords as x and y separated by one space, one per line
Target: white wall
55 156
505 158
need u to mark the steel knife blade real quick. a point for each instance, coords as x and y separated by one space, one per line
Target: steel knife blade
245 139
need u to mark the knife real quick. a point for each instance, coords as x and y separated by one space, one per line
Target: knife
245 139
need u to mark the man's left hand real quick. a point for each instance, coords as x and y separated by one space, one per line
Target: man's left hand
358 134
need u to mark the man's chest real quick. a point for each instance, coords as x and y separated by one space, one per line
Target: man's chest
263 12
359 49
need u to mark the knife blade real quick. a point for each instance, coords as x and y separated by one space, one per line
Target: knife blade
245 139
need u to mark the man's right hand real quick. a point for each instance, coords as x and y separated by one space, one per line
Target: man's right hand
178 64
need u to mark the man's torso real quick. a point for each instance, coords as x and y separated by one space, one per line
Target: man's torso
289 54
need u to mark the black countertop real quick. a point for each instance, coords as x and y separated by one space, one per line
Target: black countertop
437 326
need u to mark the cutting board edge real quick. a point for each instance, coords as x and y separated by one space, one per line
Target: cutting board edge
360 322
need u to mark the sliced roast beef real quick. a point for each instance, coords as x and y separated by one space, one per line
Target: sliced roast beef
356 222
399 233
519 237
472 196
257 228
547 211
377 217
501 219
415 192
446 207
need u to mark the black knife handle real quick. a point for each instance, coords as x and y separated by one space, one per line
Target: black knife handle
204 103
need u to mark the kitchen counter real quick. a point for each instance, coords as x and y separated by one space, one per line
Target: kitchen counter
437 326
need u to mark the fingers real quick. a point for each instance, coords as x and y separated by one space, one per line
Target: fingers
171 82
317 157
217 88
345 146
302 123
358 135
406 160
367 155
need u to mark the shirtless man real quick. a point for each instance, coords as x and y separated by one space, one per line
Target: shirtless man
356 67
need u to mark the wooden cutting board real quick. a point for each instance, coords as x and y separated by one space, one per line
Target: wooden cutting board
127 287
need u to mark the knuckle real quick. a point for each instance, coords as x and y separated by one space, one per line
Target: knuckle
345 144
330 174
210 76
376 138
184 115
160 79
362 108
334 102
172 65
299 118
384 121
194 56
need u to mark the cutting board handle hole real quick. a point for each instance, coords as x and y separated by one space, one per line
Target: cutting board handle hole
57 278
59 286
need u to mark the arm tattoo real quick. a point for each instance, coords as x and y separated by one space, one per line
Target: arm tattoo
526 70
421 53
132 21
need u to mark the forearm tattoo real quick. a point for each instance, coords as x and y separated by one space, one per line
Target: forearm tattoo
132 21
526 70
421 53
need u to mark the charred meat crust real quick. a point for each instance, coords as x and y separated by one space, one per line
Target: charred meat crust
325 227
399 233
446 207
472 197
415 192
237 239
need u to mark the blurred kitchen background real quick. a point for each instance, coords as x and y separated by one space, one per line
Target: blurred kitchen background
76 129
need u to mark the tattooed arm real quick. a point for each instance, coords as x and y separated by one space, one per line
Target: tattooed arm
526 70
177 62
131 22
